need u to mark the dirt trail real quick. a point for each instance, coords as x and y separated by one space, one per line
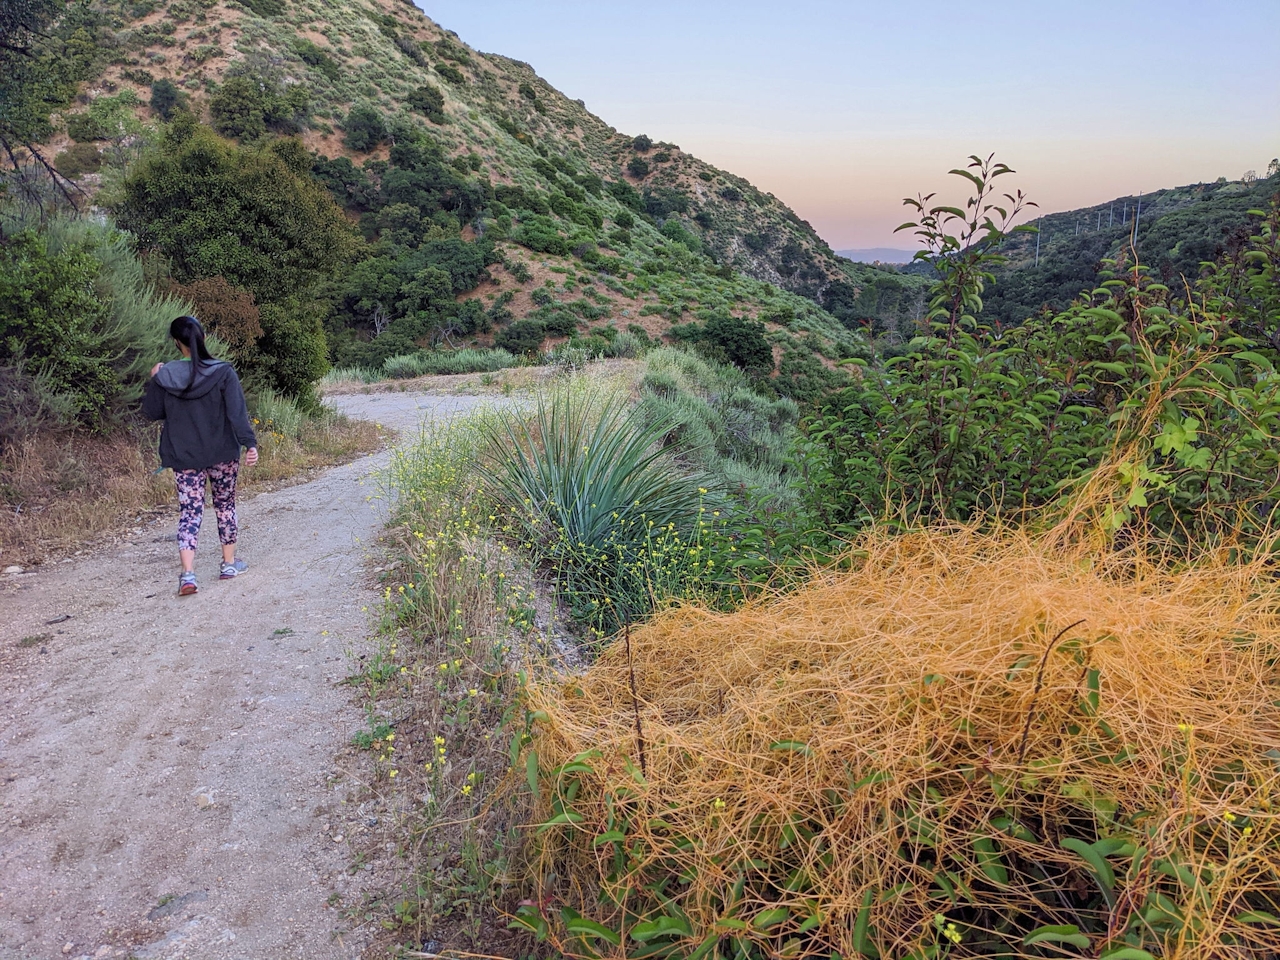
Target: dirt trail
167 780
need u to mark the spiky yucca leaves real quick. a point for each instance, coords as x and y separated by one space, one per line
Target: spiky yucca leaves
591 493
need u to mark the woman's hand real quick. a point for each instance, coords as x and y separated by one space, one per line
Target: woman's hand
251 456
156 369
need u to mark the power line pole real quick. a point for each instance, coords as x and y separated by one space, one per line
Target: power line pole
1111 217
1038 243
1099 227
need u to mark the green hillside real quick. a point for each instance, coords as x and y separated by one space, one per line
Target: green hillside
1173 233
545 223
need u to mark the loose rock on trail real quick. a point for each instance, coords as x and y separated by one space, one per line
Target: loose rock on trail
167 778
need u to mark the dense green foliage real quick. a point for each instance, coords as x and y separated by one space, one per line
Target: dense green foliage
253 217
78 318
1180 386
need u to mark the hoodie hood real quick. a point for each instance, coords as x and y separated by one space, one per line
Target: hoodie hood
176 374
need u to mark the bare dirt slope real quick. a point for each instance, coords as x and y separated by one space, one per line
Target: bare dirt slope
167 777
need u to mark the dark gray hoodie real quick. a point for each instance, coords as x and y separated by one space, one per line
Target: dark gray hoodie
203 425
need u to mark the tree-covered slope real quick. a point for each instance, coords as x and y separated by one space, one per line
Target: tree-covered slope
1172 233
427 144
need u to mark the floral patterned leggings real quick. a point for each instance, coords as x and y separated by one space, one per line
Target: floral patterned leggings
222 478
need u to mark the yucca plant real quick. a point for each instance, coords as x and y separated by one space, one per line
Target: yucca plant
590 492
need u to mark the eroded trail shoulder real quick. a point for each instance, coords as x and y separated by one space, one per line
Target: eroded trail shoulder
166 766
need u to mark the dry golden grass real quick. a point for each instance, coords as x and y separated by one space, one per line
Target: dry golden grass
916 738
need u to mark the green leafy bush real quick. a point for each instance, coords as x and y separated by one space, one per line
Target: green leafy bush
522 338
428 101
77 160
541 234
166 98
428 362
1181 393
317 57
79 316
450 73
638 167
364 128
264 8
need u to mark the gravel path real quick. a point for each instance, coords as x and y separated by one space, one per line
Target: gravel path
167 777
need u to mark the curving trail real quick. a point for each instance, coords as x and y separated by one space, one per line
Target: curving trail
167 777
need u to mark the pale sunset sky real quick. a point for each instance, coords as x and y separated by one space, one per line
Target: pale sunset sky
843 108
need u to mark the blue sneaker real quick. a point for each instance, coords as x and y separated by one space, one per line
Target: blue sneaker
232 570
187 583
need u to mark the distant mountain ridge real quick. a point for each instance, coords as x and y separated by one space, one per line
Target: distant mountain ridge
877 255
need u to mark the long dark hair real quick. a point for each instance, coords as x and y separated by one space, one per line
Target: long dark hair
187 330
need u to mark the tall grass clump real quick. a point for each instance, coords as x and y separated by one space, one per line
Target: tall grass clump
727 428
433 362
589 491
337 375
967 743
442 682
457 580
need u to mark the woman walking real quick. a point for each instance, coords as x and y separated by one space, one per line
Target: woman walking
205 425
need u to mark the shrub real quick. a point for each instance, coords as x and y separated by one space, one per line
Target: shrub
82 319
237 109
540 233
625 194
364 128
624 219
77 160
526 90
264 8
166 98
662 157
638 167
736 340
429 102
522 338
226 311
294 354
315 56
450 73
641 143
931 433
664 201
217 209
520 272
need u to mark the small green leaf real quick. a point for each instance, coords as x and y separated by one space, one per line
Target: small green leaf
862 926
770 918
609 836
1101 869
664 926
1127 953
581 927
1067 933
793 745
531 770
1259 917
560 819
